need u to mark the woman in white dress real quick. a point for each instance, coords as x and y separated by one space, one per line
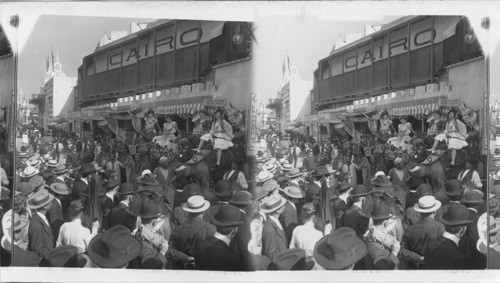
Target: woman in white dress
403 137
455 135
221 133
169 130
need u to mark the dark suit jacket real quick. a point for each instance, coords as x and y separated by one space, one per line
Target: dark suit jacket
417 236
120 216
214 254
106 207
312 189
273 239
239 244
411 199
443 253
55 217
186 236
79 186
40 238
22 257
353 219
288 219
468 243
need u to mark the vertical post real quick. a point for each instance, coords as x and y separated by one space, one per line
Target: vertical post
432 49
14 21
153 80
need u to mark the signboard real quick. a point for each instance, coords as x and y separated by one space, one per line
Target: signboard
215 103
401 112
448 103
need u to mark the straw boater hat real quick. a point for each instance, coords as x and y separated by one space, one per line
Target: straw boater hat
35 163
456 215
272 204
114 248
228 216
294 173
287 167
484 231
40 199
60 169
47 157
52 163
271 167
263 176
339 249
427 204
29 172
270 185
196 204
294 192
59 188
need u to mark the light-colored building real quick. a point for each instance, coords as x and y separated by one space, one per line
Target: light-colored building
58 91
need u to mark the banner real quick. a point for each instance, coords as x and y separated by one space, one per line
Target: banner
448 103
216 103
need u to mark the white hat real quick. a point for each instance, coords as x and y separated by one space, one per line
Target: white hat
29 172
264 176
196 204
398 160
427 204
272 203
482 228
269 167
379 173
147 171
496 176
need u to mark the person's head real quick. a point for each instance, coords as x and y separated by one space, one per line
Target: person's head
458 231
309 211
403 119
168 118
398 163
87 175
76 208
234 166
347 159
468 164
218 114
452 114
111 187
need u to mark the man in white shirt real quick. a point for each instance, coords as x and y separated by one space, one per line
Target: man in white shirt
73 233
236 176
469 175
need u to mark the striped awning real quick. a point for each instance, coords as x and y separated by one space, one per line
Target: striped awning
413 107
179 109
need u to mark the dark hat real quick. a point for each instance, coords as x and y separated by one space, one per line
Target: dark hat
148 180
321 171
456 215
59 188
260 153
25 188
497 151
114 248
60 169
424 190
380 211
37 181
190 190
241 198
4 193
454 187
259 193
110 184
381 181
413 182
359 191
157 190
86 168
228 216
292 259
64 256
340 249
472 197
343 186
149 209
126 189
180 182
223 188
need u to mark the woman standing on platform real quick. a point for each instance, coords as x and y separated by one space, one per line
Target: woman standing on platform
403 137
386 126
454 135
169 130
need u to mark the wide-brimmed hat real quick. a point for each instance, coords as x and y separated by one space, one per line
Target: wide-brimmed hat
40 199
413 182
427 204
23 154
86 168
47 157
380 211
25 188
340 249
59 188
223 188
472 197
241 198
60 169
196 204
263 176
358 191
454 187
484 231
294 173
294 192
148 180
424 190
381 181
64 256
259 193
269 167
29 172
228 216
4 193
126 189
270 185
19 223
343 186
292 259
52 163
287 167
149 209
34 163
180 182
456 215
114 248
110 184
37 182
272 204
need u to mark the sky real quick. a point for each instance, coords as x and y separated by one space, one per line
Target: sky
72 36
306 40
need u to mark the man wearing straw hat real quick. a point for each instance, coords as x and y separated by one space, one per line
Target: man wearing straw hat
186 236
417 236
274 239
40 238
22 257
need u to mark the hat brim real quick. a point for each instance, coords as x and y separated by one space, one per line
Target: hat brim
51 197
436 206
329 264
288 175
472 201
59 172
29 176
205 206
380 217
263 180
283 202
101 261
240 203
456 223
59 192
226 224
299 196
222 194
455 194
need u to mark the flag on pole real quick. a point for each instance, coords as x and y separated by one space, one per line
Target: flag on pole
288 62
47 64
52 58
283 67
